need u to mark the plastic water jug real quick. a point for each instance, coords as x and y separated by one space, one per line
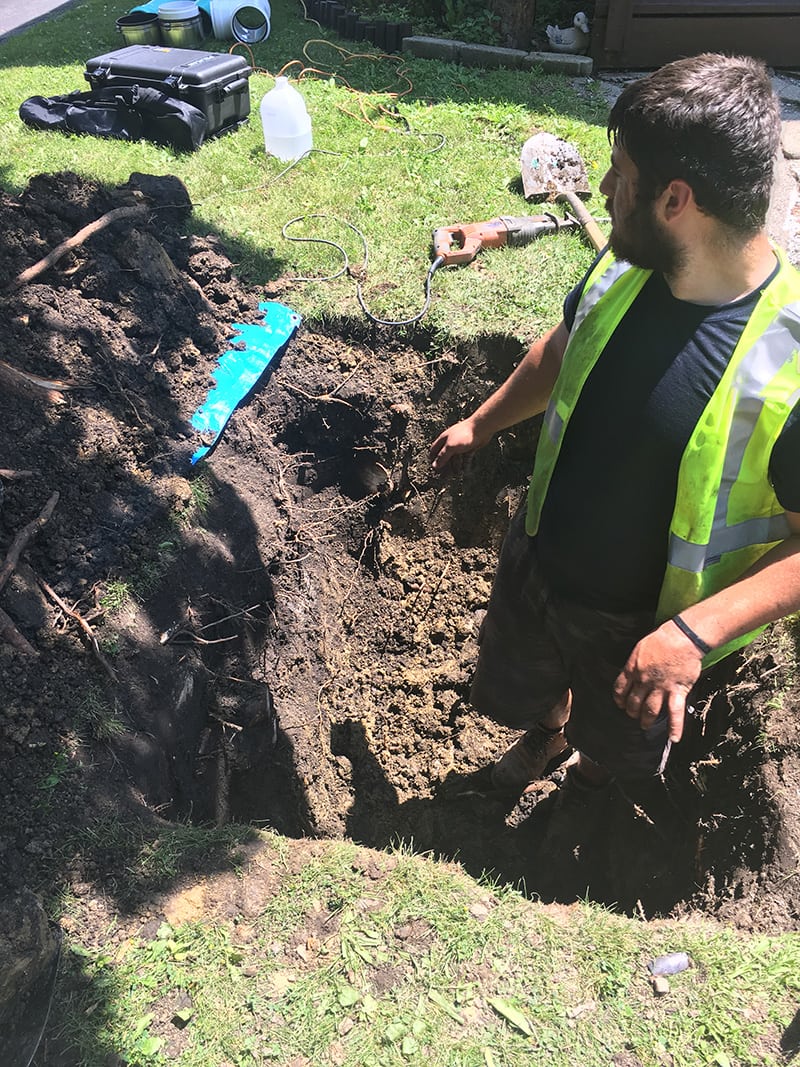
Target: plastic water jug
285 121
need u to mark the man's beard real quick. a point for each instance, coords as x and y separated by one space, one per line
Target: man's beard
644 243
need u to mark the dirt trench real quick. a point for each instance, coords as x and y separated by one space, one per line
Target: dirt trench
285 634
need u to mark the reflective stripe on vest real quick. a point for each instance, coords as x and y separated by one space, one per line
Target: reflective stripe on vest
726 514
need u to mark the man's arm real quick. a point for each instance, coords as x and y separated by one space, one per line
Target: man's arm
664 666
523 394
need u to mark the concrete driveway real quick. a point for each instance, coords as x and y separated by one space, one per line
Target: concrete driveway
15 15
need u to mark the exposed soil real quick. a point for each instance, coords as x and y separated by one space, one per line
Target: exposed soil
297 644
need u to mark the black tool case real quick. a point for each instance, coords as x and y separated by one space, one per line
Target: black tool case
214 82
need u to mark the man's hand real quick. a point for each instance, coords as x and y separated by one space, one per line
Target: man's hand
523 394
658 676
459 439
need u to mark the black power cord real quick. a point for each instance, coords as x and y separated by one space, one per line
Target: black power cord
358 273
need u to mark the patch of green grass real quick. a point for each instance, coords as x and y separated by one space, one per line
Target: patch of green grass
203 488
420 966
60 775
109 644
150 572
163 858
151 860
97 716
147 575
202 492
115 595
403 146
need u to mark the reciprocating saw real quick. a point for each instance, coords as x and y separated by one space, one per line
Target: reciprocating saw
455 245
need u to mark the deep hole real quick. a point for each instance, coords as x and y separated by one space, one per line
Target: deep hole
327 594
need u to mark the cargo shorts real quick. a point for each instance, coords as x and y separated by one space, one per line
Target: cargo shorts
535 645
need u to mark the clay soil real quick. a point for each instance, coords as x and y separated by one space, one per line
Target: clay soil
301 616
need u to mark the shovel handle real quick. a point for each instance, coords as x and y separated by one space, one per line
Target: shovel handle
593 231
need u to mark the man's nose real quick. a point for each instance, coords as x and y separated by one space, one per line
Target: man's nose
607 184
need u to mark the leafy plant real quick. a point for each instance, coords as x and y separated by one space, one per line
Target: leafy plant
59 771
472 21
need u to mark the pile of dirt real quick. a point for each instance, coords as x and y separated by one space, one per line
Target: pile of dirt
294 639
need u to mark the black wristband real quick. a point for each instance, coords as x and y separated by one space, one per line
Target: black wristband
698 642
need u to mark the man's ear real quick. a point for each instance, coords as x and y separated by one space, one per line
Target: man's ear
676 198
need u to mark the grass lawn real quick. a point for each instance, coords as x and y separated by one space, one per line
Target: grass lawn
402 146
358 959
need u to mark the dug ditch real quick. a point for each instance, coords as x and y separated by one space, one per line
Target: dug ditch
286 634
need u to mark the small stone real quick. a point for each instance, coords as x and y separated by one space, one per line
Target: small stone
660 985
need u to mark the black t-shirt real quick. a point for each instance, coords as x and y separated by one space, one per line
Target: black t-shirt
605 521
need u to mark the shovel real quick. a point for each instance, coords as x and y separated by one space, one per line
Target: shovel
553 170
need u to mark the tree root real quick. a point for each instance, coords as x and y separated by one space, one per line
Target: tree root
31 384
8 631
90 638
75 241
20 542
11 635
13 476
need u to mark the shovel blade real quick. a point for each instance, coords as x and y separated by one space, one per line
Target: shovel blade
551 166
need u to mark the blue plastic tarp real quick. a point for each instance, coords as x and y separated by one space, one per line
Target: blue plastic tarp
239 369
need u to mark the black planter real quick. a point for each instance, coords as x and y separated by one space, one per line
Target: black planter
386 35
380 34
392 37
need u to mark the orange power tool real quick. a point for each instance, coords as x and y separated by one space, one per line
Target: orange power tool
455 245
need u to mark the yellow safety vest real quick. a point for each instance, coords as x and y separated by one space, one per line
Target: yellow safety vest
726 513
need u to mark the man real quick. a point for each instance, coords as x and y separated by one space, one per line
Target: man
663 519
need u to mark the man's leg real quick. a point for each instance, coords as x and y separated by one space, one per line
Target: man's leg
593 774
529 757
520 678
595 645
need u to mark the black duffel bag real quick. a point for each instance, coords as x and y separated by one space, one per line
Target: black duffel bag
128 113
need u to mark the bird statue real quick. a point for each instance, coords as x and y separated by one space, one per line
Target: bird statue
574 40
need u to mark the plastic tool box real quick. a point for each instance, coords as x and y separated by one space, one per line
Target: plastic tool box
214 82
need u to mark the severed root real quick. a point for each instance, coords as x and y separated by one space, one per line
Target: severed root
12 476
86 630
75 241
31 384
20 542
10 634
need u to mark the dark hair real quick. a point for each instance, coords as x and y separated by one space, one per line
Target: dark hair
714 122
